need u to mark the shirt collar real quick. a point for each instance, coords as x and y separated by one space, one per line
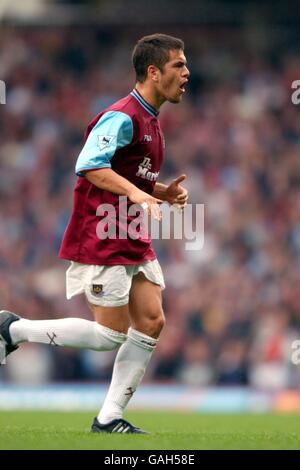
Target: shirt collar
144 103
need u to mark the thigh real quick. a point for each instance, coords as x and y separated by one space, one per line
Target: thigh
115 318
145 303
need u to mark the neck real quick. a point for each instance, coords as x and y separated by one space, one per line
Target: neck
150 95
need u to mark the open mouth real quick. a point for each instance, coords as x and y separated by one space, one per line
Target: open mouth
182 86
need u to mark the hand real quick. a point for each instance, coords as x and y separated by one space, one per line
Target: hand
148 202
177 194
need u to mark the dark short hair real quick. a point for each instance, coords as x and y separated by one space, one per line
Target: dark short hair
153 50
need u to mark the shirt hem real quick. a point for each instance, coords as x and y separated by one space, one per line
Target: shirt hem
107 263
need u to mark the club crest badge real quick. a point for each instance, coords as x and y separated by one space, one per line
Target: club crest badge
97 289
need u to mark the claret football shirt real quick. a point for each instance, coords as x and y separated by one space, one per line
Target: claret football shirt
127 138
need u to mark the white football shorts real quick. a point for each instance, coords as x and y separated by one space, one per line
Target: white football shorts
109 286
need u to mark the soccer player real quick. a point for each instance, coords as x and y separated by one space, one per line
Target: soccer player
120 276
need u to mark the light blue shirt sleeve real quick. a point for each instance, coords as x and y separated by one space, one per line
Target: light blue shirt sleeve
113 131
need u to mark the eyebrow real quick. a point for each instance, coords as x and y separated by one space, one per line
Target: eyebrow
180 61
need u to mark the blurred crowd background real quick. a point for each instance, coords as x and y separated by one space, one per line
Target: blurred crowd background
232 308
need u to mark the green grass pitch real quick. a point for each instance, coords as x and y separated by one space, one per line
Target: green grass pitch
169 430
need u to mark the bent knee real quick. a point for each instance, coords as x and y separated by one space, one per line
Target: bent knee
152 325
159 324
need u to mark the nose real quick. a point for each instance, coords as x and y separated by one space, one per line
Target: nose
186 72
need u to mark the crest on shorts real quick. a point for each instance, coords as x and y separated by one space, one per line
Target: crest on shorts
97 289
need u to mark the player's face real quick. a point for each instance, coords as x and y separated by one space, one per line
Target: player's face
172 81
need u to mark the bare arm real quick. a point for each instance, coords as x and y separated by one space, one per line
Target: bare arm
109 180
173 194
160 191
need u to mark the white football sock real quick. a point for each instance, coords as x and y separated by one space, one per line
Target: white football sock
72 332
129 369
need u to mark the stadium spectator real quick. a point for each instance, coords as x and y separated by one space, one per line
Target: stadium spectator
237 136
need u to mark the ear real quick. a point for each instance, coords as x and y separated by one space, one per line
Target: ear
153 73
